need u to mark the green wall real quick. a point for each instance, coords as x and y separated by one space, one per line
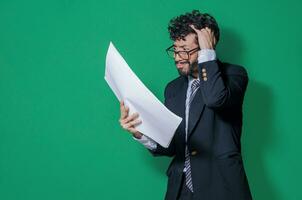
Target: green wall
59 131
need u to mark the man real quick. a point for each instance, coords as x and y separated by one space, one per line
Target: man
208 95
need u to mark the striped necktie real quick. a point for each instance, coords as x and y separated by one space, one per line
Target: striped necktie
188 177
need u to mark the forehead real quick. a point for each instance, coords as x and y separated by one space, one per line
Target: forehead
188 41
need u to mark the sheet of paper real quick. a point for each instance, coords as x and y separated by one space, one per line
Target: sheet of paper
158 122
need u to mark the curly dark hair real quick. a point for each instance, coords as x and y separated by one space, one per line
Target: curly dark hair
179 28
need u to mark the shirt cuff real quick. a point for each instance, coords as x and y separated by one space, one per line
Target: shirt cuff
147 142
205 55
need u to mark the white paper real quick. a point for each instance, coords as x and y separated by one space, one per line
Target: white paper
158 122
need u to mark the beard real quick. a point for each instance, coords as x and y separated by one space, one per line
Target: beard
193 68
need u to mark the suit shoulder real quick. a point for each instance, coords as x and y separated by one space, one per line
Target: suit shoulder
174 84
234 69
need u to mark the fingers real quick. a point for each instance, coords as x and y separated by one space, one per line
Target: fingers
124 110
124 114
211 37
201 30
129 126
207 31
193 27
206 38
129 122
130 118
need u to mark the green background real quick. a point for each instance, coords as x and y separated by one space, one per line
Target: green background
59 131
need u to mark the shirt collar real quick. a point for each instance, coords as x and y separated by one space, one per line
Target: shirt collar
191 79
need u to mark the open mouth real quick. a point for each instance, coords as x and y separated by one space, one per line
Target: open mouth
181 63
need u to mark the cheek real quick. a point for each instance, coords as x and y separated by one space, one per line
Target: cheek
193 58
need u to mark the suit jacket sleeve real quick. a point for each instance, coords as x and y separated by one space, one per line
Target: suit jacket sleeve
222 90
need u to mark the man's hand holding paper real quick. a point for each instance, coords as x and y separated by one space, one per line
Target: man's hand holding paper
128 122
157 122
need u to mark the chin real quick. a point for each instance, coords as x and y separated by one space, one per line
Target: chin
183 73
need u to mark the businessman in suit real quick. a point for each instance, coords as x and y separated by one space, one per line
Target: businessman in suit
208 94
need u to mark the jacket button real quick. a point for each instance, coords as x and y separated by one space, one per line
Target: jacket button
193 153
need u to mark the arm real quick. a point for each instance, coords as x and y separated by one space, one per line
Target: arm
222 92
154 148
218 91
147 142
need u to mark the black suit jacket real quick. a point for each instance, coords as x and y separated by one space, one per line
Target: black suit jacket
214 131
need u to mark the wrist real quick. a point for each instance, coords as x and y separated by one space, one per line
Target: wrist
205 55
137 135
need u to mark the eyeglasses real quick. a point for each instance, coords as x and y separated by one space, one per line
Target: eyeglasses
182 54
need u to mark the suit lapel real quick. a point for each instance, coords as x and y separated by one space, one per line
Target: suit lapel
177 105
177 102
196 109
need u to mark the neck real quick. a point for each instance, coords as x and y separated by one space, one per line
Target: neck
194 70
195 75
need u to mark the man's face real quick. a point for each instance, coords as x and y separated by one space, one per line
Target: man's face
186 65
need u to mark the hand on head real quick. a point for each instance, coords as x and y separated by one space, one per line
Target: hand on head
206 38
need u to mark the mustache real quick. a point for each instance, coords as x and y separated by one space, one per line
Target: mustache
182 62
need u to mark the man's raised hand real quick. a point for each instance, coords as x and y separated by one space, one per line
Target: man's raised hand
206 38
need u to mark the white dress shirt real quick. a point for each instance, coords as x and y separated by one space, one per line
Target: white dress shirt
204 55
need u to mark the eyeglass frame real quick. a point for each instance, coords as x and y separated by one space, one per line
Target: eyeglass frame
177 52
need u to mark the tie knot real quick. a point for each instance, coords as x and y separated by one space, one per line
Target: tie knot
195 84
